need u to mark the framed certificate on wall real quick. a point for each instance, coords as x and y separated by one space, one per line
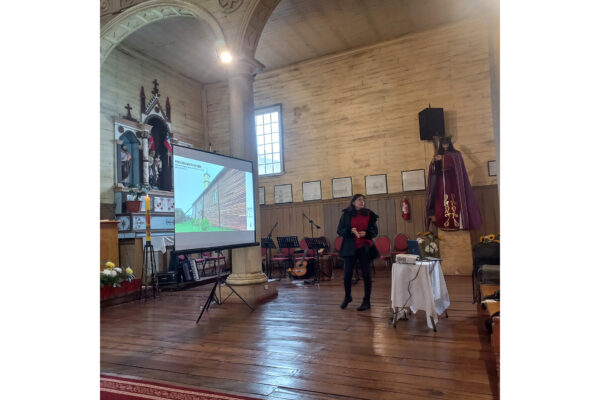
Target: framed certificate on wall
311 190
492 168
413 180
376 184
261 195
341 187
283 193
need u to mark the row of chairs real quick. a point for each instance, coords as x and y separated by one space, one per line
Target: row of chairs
384 246
383 243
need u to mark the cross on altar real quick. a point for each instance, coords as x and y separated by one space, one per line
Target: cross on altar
155 90
128 108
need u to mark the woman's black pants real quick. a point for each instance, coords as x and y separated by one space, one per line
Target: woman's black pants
362 255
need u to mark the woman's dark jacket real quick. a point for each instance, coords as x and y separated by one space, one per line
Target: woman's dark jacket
345 231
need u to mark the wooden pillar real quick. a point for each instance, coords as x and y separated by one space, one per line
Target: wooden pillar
247 275
145 166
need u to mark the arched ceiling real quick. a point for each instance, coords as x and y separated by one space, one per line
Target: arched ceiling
184 44
297 30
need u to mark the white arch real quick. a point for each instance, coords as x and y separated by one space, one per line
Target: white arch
132 19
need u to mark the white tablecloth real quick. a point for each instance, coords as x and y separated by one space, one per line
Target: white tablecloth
160 243
428 290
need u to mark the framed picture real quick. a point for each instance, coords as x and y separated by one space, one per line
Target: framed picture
492 168
311 190
341 187
261 195
283 193
376 184
413 180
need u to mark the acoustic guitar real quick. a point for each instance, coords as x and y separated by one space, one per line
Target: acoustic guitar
299 269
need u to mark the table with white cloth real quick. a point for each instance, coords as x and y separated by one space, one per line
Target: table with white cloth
419 286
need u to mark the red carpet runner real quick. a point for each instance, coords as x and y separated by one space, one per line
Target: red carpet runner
113 388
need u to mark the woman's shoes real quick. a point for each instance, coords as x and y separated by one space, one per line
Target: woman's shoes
364 306
345 302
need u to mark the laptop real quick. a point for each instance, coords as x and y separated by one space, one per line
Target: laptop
413 247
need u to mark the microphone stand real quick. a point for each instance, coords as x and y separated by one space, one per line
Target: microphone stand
312 223
272 229
317 278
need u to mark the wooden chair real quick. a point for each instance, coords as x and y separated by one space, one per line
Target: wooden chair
282 259
310 253
384 245
326 259
214 258
263 254
400 245
337 245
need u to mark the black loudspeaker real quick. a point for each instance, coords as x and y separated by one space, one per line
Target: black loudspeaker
431 123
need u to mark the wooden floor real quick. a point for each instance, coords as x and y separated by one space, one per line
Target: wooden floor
303 346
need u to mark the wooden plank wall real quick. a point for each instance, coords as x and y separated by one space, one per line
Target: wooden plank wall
487 195
327 213
356 113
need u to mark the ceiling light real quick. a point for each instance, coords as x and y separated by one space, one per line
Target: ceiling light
225 57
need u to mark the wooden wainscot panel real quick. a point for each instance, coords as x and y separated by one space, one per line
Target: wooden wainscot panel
455 248
132 254
109 242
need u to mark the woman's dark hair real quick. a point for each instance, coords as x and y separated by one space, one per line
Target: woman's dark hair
441 147
351 208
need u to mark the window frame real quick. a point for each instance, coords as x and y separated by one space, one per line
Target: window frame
264 110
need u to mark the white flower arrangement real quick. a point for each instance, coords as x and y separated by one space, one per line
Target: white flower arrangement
428 243
114 276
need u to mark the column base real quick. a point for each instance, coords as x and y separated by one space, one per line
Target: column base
253 293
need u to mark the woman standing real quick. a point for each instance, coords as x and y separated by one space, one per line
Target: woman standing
357 227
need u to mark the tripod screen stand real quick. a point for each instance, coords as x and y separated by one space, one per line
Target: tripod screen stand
316 244
213 295
288 242
267 243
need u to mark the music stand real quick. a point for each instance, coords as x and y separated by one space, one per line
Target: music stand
267 243
316 244
288 242
213 297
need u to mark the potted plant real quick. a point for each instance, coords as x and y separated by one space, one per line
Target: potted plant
117 281
135 205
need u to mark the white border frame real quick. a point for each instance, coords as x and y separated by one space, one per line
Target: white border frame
372 180
405 174
310 184
278 189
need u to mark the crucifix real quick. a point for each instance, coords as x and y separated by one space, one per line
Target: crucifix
128 108
155 90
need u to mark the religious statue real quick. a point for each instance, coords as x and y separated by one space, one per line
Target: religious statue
125 165
451 204
155 168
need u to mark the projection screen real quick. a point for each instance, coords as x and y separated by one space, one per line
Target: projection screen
214 200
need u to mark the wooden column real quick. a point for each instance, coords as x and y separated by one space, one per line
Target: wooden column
145 151
247 272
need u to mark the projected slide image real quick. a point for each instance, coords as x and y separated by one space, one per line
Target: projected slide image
211 198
